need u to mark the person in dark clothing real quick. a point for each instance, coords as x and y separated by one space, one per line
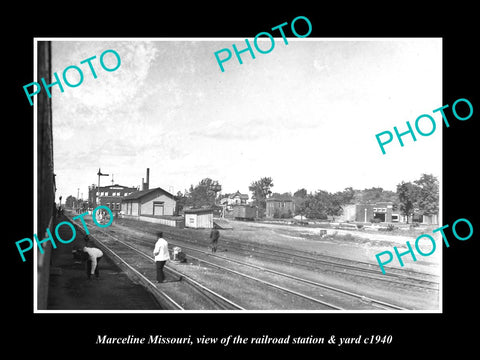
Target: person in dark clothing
214 236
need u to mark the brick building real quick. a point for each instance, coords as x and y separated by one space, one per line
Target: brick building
110 196
381 211
279 206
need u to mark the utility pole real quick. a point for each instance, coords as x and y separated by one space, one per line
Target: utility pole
98 188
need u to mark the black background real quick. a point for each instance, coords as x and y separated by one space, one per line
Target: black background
56 335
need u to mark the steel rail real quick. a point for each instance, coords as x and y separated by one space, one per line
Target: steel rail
247 276
401 279
384 304
332 263
186 277
359 296
307 281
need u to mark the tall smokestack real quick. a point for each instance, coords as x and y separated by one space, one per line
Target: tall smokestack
147 185
143 184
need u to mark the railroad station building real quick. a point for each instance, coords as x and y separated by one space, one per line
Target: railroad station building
151 202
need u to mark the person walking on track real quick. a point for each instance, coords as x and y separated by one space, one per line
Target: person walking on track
94 256
214 235
161 256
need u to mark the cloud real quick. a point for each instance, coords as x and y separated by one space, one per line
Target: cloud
110 90
320 66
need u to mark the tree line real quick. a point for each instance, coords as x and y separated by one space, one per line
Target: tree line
420 197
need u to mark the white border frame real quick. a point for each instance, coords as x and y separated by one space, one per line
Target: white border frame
35 186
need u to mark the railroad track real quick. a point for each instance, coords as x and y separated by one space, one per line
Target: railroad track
339 265
359 298
219 302
166 301
208 297
368 271
363 298
211 264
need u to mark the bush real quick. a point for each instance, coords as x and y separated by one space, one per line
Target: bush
390 227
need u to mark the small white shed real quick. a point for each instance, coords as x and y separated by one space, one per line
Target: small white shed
199 218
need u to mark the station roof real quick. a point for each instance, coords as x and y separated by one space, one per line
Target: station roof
198 211
141 193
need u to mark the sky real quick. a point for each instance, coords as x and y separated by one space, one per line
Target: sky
305 114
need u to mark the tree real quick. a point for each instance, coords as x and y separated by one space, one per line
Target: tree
375 195
338 200
203 194
317 205
181 201
300 193
261 189
347 195
322 203
300 201
407 196
428 194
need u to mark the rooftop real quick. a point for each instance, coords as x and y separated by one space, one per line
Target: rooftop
198 211
279 198
141 193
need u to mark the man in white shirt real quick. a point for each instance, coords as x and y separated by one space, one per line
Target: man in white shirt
94 256
161 256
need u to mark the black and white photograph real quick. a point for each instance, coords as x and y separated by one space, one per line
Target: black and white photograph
265 178
289 182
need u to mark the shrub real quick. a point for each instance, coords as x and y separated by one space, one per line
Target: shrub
390 227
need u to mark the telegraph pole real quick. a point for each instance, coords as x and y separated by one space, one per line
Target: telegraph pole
98 188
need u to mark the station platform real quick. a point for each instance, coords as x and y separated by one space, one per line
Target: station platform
70 289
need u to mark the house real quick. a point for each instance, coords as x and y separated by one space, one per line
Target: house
279 207
234 199
199 218
151 202
238 198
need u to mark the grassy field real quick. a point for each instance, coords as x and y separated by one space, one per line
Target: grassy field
361 245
